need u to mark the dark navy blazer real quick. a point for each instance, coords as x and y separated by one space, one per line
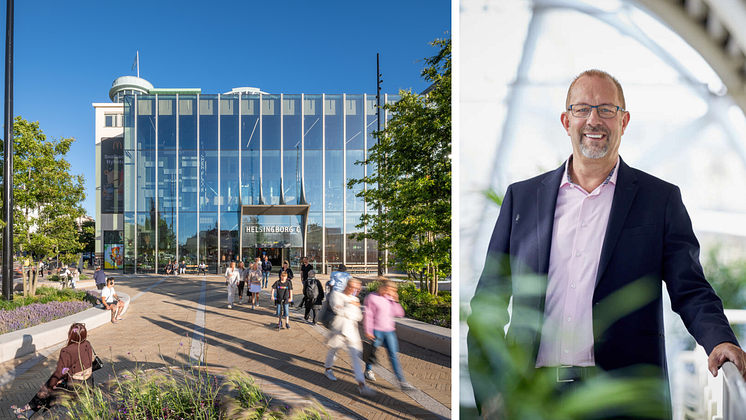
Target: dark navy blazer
649 239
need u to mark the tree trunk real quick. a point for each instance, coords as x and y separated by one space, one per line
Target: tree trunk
32 285
24 275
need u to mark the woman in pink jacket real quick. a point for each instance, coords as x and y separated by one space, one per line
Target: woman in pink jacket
380 327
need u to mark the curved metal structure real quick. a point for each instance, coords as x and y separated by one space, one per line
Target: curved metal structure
128 84
716 29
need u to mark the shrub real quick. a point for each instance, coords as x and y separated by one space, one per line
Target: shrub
38 313
48 304
420 304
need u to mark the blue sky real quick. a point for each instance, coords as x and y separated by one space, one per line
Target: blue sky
67 54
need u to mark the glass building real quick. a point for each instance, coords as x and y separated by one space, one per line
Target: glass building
229 177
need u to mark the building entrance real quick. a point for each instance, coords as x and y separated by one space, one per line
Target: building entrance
277 231
276 256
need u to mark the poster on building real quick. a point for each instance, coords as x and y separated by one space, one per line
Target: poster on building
112 175
113 256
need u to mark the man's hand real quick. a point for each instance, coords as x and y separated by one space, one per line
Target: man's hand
370 337
725 352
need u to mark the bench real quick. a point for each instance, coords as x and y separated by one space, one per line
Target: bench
194 269
355 268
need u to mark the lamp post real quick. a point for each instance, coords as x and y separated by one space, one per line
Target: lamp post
8 158
378 118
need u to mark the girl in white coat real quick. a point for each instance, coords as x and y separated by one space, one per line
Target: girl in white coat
346 333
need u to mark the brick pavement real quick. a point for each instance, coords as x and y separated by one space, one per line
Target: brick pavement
287 363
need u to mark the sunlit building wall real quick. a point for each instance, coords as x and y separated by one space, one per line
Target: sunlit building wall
228 177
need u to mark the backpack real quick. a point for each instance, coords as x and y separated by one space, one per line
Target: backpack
312 290
326 315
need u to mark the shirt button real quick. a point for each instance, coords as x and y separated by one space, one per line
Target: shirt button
584 224
569 319
572 285
577 254
567 351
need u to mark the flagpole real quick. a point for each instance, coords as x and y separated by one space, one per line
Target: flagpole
137 58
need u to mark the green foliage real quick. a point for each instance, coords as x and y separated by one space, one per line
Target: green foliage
727 278
419 304
87 236
410 177
423 306
508 385
192 393
45 194
45 294
494 197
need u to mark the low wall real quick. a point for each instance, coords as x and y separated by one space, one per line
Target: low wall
431 337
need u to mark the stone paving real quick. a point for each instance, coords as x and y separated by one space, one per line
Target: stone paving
288 364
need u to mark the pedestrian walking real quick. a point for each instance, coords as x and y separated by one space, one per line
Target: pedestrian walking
41 269
286 269
282 294
100 278
345 333
231 281
381 308
338 279
75 277
266 269
241 281
305 267
255 284
64 275
313 293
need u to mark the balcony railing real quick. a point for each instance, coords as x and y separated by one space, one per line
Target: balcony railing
703 397
734 393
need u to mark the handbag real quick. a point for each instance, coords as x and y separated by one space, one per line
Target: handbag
369 353
97 363
326 315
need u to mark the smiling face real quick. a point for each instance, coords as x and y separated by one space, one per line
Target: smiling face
593 137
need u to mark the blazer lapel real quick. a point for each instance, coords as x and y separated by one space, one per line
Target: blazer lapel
546 201
624 195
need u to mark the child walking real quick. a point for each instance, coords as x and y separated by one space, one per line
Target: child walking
282 293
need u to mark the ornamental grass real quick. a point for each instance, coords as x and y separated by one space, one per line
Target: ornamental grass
190 392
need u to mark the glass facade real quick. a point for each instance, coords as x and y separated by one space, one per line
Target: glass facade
201 172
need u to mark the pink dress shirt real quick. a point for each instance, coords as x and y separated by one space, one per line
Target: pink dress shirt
580 220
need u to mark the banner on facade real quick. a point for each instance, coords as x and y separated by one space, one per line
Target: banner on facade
112 175
114 256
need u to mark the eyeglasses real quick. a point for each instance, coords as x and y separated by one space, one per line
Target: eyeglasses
584 111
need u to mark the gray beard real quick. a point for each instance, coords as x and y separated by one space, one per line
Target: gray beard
592 152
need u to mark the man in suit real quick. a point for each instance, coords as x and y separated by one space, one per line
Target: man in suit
582 251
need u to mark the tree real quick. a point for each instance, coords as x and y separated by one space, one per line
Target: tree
47 198
87 236
413 181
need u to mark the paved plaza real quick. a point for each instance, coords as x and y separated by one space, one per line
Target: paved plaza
165 313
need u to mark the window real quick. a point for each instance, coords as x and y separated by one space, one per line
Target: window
113 120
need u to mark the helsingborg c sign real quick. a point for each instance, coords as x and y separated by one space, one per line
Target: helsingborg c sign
272 229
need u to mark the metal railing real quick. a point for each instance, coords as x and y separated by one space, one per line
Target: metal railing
734 393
